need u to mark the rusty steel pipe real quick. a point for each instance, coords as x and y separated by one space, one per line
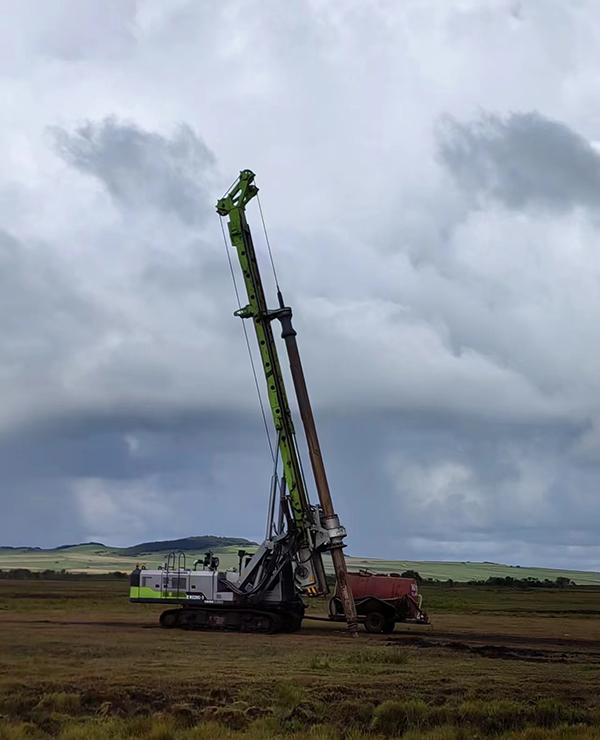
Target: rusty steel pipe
316 459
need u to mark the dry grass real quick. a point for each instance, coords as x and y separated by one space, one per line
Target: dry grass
78 661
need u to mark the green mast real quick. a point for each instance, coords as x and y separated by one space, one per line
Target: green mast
233 205
316 528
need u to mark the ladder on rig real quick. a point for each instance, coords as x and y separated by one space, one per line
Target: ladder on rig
172 576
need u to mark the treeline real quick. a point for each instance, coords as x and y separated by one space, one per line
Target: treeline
24 574
498 581
510 582
493 581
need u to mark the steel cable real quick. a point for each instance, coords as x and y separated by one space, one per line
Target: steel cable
254 373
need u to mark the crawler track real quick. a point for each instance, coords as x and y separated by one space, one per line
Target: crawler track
232 620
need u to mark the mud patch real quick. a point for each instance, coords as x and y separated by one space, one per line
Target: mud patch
499 652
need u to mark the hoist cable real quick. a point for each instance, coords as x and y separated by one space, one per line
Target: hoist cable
262 218
295 441
256 383
229 189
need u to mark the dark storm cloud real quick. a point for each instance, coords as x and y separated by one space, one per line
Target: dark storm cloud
412 481
142 169
523 160
119 479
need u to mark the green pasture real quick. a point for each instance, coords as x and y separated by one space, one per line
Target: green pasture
97 559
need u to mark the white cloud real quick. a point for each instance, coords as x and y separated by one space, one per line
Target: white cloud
118 510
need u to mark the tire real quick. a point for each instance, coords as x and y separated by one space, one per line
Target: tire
375 622
389 627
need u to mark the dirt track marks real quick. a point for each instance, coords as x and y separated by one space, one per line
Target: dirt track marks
559 651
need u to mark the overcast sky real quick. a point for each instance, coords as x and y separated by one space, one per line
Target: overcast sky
430 179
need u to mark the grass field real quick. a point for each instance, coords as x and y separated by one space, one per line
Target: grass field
96 559
78 661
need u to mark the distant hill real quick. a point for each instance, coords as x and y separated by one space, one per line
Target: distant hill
10 548
205 542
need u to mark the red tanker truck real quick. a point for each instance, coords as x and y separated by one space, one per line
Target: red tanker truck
381 601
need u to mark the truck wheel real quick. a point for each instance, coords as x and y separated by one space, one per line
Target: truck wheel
389 627
375 622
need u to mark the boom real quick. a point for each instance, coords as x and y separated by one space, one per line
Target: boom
316 528
233 205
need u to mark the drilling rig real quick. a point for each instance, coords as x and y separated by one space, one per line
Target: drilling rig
264 594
